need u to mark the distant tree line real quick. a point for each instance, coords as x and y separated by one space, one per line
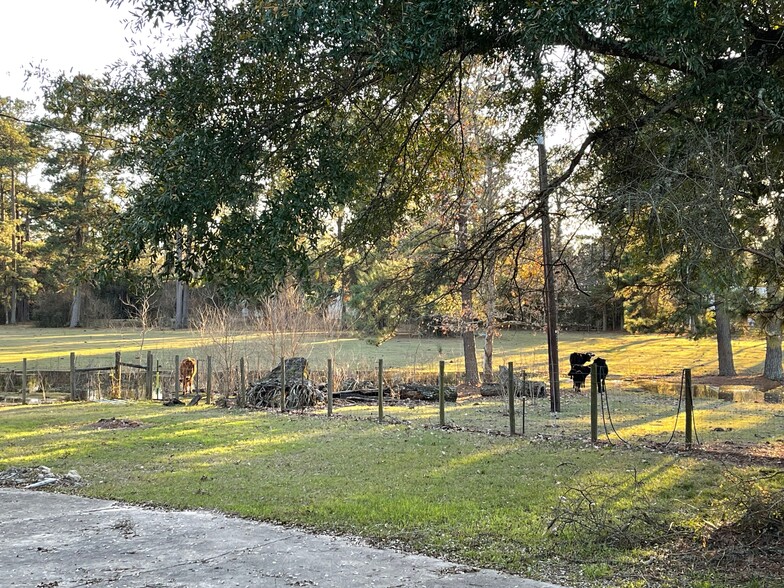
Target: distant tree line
380 155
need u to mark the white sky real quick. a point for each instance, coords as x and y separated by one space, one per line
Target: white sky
78 36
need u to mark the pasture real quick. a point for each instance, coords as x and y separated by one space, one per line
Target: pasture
631 511
629 356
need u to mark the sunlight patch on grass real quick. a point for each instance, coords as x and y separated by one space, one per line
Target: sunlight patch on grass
478 498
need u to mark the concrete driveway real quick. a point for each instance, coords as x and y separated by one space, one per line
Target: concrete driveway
60 541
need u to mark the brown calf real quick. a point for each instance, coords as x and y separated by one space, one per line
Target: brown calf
187 371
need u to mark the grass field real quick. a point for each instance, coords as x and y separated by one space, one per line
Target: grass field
412 357
549 505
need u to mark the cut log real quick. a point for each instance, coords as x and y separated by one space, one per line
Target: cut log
531 389
426 393
491 389
362 393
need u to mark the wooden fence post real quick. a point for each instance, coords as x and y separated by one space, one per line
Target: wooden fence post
689 407
73 376
282 384
24 380
196 376
380 390
441 408
176 377
525 395
511 399
148 377
330 389
594 403
241 391
209 379
117 392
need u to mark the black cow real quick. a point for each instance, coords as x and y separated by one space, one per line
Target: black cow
578 374
579 358
601 372
579 371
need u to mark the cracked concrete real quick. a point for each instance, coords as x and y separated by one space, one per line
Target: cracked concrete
61 541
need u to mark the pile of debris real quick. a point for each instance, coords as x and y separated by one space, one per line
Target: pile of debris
115 423
360 390
37 477
423 392
300 391
367 391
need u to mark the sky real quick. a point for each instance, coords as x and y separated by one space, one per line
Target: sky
77 36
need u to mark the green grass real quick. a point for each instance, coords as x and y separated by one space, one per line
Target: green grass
483 499
411 357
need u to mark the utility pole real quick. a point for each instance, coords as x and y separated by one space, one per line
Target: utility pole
550 301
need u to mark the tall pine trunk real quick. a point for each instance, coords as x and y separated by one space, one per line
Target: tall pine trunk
772 369
76 307
14 262
490 295
724 339
467 309
181 304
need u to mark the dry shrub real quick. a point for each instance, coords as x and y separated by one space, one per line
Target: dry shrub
759 524
287 319
622 516
220 327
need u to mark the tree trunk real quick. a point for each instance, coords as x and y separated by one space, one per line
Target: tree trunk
76 307
724 340
467 310
469 342
772 368
490 295
14 296
772 328
181 303
14 262
550 300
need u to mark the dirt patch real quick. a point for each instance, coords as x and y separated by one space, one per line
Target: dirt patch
115 423
768 454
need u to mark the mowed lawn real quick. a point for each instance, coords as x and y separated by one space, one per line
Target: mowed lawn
548 505
410 357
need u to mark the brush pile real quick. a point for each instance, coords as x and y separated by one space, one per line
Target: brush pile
300 391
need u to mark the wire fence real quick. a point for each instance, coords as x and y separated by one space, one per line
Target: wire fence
612 412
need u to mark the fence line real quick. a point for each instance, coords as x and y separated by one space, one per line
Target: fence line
121 383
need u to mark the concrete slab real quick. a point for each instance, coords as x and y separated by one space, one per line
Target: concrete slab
54 540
